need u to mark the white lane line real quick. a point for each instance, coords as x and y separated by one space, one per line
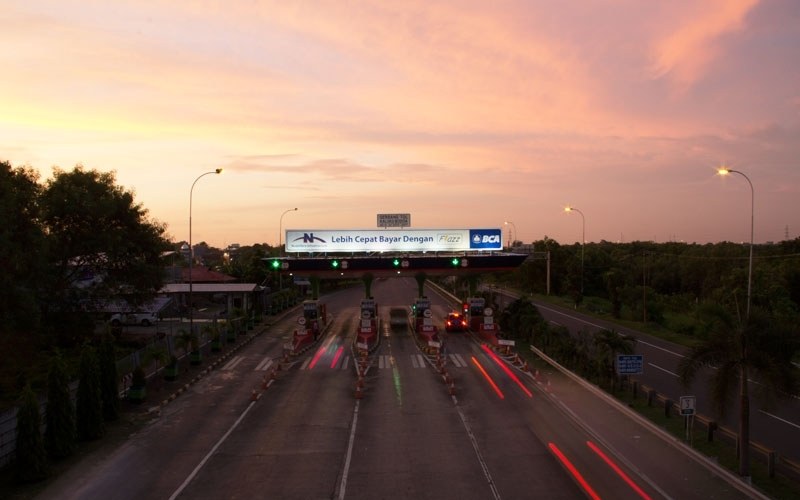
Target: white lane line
781 419
346 470
208 456
664 370
604 328
345 362
481 461
305 363
381 362
233 362
458 360
264 365
414 361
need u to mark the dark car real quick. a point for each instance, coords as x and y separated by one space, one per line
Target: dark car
455 322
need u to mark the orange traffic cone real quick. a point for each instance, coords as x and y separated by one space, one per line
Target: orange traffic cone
254 396
359 392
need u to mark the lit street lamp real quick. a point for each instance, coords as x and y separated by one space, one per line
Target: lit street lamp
723 171
280 229
510 240
191 248
583 237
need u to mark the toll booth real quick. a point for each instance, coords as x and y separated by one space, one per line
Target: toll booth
475 311
426 331
315 316
367 336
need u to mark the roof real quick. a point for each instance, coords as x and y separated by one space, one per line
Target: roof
211 288
203 275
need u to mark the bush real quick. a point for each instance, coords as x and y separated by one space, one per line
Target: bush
31 460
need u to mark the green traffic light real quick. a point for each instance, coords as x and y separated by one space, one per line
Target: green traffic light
396 262
334 264
455 261
275 264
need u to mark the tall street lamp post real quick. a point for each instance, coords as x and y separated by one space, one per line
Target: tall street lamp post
723 171
744 392
280 243
280 229
191 248
583 237
509 233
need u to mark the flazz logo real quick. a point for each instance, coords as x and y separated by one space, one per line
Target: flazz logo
309 238
449 238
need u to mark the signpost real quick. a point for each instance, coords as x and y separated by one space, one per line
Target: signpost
630 364
394 220
687 409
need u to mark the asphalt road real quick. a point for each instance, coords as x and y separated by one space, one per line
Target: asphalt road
774 424
498 434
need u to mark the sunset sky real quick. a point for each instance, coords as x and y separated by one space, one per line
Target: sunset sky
465 114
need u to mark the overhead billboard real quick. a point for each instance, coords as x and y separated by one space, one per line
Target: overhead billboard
389 240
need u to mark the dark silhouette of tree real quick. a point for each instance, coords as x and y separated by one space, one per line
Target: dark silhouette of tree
31 459
760 347
89 407
109 387
59 437
608 344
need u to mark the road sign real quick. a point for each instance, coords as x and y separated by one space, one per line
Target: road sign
687 405
505 342
629 364
394 220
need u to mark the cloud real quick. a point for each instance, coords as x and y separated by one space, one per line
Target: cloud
687 51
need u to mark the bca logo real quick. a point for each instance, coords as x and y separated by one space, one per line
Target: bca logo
486 238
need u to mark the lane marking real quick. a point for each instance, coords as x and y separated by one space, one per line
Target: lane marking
664 370
230 365
210 453
264 365
349 456
779 418
481 461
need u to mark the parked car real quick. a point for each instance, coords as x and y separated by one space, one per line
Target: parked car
455 322
137 318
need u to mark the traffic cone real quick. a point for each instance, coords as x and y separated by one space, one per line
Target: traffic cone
525 367
359 392
360 383
264 382
254 396
452 388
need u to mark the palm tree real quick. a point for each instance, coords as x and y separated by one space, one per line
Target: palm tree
762 346
609 343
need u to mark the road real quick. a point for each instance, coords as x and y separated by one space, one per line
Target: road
775 425
495 433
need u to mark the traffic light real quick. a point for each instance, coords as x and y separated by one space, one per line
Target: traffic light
455 261
395 262
275 264
335 264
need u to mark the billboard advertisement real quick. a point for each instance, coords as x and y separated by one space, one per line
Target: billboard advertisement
393 240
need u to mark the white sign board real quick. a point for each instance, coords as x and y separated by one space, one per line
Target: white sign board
505 342
687 405
394 220
393 240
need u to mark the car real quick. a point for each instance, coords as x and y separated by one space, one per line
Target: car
137 318
455 322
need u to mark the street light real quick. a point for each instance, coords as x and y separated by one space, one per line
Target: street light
191 249
280 229
723 171
583 237
509 233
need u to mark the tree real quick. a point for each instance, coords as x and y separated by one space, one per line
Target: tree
100 239
760 346
109 388
609 343
59 437
31 459
89 408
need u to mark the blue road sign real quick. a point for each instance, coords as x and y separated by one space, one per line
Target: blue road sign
629 364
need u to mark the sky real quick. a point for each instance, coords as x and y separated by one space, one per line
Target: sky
464 114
